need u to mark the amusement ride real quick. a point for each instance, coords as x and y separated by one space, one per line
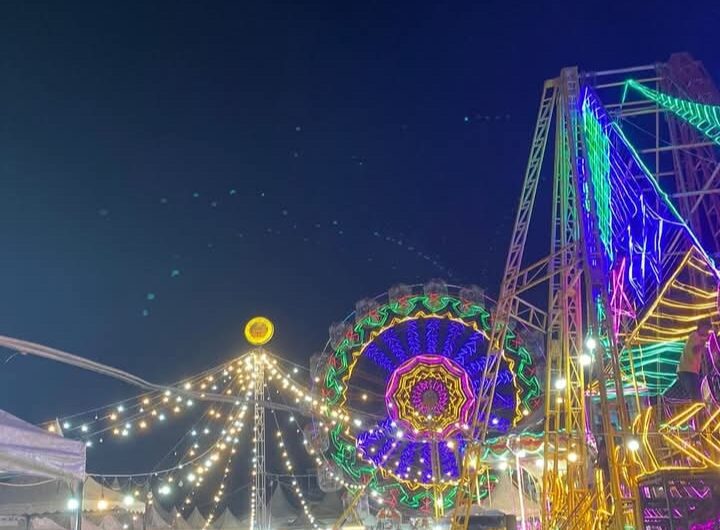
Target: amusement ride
430 402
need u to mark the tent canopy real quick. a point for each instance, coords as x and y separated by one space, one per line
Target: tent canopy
35 497
196 520
280 508
227 521
31 451
505 498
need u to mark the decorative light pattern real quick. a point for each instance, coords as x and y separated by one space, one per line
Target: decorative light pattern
678 446
394 454
431 395
598 157
706 118
653 347
638 223
282 449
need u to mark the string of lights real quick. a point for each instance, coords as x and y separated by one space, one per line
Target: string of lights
285 455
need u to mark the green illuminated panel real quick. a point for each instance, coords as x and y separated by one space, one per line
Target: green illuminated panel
598 157
705 118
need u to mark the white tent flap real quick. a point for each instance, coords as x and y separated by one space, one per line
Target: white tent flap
29 450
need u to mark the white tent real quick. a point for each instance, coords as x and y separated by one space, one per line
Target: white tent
44 523
87 524
282 513
156 519
196 520
33 496
12 523
177 521
109 522
43 471
29 450
94 493
329 509
227 521
46 496
505 498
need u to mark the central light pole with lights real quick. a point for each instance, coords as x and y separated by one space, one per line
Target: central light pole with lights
259 331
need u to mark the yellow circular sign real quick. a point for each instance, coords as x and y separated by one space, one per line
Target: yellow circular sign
259 331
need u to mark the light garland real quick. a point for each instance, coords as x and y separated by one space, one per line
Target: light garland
285 455
140 413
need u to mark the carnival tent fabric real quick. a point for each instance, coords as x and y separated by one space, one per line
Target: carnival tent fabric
156 519
329 508
282 513
12 523
109 522
177 521
505 498
29 450
227 521
94 493
196 520
28 496
44 523
33 496
87 524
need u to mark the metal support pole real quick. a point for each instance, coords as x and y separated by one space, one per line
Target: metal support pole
259 483
436 476
79 512
518 470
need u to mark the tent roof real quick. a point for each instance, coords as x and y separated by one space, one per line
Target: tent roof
227 521
329 508
177 520
29 496
280 507
156 518
44 523
29 450
38 496
87 524
109 522
505 498
196 520
94 492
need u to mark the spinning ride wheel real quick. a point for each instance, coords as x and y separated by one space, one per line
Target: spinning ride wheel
404 375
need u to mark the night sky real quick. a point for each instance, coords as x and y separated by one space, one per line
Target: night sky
169 169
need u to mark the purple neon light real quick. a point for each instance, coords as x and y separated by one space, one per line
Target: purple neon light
418 397
452 369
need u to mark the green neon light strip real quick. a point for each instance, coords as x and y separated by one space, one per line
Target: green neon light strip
598 156
654 365
705 118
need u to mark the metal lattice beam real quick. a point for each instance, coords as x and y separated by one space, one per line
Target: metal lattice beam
481 415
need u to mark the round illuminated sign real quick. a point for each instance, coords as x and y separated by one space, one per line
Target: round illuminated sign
259 331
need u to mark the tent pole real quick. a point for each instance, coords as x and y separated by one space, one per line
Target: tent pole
80 495
145 511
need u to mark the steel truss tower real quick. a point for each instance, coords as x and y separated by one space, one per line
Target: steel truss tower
576 492
258 499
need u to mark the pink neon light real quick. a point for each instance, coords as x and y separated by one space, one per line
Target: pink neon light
449 366
620 304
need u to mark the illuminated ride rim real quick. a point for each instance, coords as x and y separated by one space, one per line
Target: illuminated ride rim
407 374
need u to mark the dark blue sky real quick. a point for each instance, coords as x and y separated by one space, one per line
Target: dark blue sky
284 158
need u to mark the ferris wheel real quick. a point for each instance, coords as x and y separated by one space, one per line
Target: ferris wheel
406 367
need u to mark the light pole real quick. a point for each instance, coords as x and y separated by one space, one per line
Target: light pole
512 447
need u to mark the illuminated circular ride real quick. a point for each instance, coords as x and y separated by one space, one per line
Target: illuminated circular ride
408 371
